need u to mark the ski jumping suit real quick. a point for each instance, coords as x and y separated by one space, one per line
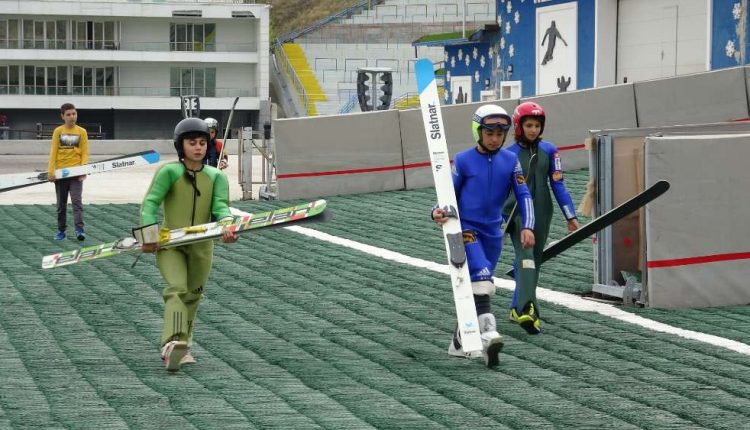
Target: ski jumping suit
482 183
189 198
212 152
546 166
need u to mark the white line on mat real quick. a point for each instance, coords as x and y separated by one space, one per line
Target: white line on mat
563 299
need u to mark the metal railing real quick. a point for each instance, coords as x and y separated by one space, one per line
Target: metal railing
115 45
128 91
349 105
284 64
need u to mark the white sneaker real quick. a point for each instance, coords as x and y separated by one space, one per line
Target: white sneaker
188 358
172 354
492 342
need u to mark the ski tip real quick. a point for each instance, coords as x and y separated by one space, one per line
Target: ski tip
151 157
425 73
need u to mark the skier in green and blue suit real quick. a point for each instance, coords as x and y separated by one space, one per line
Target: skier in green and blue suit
542 168
190 193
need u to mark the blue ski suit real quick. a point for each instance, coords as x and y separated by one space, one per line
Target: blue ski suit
482 183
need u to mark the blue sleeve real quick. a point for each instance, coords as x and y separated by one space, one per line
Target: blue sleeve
523 196
556 181
458 178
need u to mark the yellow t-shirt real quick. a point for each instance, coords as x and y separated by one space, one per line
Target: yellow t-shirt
70 147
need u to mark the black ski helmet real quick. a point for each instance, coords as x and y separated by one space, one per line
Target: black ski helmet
188 125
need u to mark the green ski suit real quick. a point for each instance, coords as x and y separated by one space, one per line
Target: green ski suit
546 170
189 198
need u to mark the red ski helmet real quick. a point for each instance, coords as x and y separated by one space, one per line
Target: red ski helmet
524 110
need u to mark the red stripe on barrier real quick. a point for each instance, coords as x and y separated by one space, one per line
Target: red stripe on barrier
568 148
352 171
698 260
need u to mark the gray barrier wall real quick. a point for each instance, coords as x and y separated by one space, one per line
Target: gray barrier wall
571 115
697 235
701 98
333 155
693 99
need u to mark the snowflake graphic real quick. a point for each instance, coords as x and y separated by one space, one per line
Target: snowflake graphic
460 54
502 43
499 21
491 52
509 6
468 61
511 50
448 76
517 17
482 62
476 76
737 11
730 48
445 55
499 63
453 61
447 96
475 53
507 28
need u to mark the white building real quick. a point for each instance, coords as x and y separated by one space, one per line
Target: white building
125 63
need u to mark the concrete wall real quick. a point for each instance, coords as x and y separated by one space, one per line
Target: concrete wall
703 97
571 115
329 155
339 143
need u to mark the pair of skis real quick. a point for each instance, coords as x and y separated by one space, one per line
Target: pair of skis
19 180
242 222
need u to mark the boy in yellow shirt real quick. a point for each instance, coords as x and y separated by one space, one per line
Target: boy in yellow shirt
70 147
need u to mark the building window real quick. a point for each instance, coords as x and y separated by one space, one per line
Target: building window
95 35
9 79
8 33
98 81
192 81
41 34
52 80
192 37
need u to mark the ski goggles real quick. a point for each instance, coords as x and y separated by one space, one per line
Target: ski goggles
503 125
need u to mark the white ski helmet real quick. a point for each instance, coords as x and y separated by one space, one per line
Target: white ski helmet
482 114
212 123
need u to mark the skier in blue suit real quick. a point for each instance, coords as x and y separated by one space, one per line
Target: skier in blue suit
483 177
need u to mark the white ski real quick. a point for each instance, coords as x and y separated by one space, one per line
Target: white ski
20 180
463 295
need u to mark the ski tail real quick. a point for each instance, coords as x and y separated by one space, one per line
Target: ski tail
227 129
604 221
